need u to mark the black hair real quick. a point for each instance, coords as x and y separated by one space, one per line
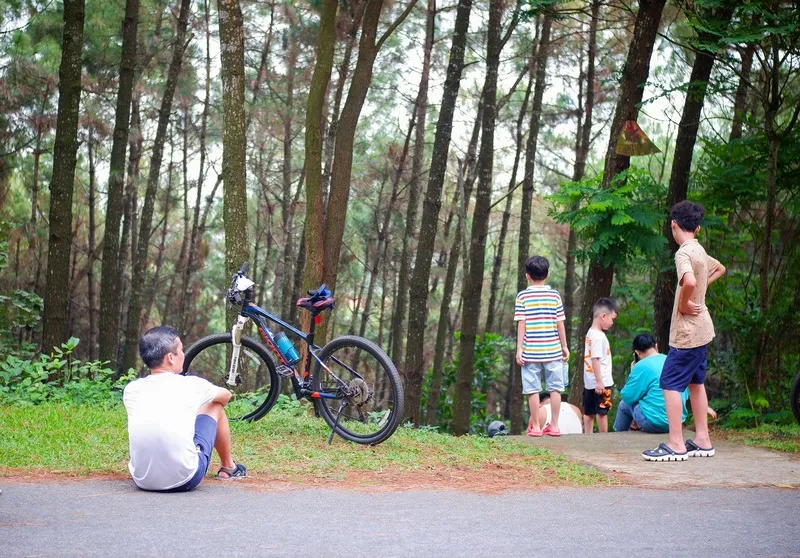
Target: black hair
643 341
537 267
604 304
156 343
687 215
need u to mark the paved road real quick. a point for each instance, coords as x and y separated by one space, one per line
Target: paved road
111 518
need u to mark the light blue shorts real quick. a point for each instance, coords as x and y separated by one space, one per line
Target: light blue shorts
555 374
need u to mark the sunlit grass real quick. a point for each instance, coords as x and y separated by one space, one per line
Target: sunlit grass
785 438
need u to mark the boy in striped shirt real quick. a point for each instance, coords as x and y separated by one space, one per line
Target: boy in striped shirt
541 343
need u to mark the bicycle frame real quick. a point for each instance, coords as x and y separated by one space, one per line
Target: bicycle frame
260 317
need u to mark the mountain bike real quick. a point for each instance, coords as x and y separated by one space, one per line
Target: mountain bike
352 383
794 397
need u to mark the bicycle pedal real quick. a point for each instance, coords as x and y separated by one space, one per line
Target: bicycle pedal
284 371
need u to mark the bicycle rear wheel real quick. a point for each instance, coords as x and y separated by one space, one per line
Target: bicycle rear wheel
258 390
795 397
369 398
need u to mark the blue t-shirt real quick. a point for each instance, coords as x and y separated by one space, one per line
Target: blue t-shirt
642 388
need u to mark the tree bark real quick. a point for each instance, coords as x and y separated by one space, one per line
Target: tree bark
634 78
679 178
740 101
151 291
315 211
234 137
146 218
111 273
65 150
473 283
421 110
284 264
523 245
92 256
583 140
418 291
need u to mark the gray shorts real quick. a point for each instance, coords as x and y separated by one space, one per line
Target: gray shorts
555 374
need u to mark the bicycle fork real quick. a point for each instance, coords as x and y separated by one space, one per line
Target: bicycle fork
236 340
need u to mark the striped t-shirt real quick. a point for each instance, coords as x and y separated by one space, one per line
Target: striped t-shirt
540 307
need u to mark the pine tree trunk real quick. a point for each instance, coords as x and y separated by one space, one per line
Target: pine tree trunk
151 291
284 265
315 211
111 273
679 178
421 110
92 256
234 137
583 140
523 246
634 78
194 239
473 283
65 150
146 218
418 292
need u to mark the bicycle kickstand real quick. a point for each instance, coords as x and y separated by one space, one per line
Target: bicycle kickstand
335 424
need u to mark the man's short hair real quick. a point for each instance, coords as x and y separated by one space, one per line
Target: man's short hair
643 342
604 304
537 267
156 343
687 215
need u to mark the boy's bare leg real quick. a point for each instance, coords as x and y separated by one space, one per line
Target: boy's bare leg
555 409
674 405
602 423
533 404
223 441
588 424
697 393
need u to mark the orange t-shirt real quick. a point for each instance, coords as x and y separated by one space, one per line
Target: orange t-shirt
687 332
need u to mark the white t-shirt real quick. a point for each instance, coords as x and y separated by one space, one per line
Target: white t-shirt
162 409
597 347
568 420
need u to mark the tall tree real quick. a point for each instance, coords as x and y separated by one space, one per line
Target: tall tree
110 273
473 282
413 384
582 145
634 77
139 259
542 55
65 152
234 135
418 291
682 158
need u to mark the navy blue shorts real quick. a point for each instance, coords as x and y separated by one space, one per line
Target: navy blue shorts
205 433
684 367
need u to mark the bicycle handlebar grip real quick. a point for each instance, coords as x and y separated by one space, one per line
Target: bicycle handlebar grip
243 269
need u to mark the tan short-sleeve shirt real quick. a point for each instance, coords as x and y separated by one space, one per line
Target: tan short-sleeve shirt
687 332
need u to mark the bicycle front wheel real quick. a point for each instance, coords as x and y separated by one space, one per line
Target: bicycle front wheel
795 397
259 386
368 400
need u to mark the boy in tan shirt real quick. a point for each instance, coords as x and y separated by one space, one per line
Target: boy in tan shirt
690 333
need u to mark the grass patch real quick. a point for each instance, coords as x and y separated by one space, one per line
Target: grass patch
785 438
286 445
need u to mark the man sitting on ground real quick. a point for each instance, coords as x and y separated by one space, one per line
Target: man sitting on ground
175 421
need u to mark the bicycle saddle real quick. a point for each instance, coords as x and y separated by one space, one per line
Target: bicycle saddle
317 301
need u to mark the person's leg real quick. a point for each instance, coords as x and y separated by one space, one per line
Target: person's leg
589 410
602 423
697 393
588 424
674 404
533 403
223 441
555 409
624 417
644 423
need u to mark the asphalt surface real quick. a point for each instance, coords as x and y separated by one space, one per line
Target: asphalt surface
112 518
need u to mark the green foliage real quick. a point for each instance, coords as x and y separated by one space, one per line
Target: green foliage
491 362
616 223
58 377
